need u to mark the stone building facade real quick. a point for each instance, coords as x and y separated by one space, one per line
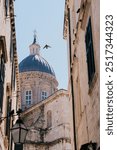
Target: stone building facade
48 123
82 32
9 74
46 110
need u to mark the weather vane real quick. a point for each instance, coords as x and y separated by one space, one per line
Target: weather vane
35 33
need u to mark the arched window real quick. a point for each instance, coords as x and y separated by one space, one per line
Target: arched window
49 119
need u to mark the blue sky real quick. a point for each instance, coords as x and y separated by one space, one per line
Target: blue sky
46 17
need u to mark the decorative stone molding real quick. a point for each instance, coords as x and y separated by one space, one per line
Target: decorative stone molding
12 21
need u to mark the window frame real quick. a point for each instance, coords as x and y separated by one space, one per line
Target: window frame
44 95
28 97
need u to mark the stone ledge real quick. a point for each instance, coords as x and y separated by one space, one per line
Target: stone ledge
68 140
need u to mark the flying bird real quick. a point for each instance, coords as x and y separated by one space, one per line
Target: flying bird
46 46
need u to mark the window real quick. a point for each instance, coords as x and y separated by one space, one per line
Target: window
6 7
49 119
2 69
3 60
8 118
18 147
89 52
11 49
28 97
13 77
1 95
2 76
43 95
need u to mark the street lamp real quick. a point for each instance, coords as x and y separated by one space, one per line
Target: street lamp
19 130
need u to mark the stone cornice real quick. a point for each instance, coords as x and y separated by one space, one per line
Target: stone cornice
61 92
13 33
68 140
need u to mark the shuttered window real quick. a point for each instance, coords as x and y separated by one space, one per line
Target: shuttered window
3 60
8 117
2 75
89 52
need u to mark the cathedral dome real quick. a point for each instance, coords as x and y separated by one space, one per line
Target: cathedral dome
35 62
37 77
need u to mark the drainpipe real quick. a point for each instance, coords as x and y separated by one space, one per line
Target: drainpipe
71 78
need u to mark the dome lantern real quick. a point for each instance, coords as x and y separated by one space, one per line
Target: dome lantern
34 47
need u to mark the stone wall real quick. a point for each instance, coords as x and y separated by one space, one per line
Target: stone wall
86 97
58 135
36 82
10 87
